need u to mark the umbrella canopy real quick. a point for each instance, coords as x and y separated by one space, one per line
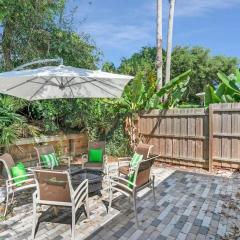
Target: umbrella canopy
62 82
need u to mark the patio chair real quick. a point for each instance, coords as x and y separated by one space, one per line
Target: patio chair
64 163
54 188
24 182
90 163
124 163
137 180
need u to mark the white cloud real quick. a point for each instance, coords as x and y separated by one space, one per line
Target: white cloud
117 35
187 8
202 7
136 27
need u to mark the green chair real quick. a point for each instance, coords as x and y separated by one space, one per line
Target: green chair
46 151
96 157
138 179
15 183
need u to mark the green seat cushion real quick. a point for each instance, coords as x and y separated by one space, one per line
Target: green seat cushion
95 155
17 171
49 160
136 159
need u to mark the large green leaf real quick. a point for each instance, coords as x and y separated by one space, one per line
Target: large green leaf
229 83
238 76
210 96
221 90
181 78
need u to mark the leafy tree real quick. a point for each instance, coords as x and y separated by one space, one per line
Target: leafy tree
38 29
204 67
26 27
76 50
109 67
143 61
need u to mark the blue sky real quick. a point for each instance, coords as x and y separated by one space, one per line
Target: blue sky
121 27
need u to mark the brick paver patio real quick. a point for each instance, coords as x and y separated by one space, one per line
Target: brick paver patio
189 206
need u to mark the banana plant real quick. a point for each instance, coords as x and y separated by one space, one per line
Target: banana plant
141 96
227 91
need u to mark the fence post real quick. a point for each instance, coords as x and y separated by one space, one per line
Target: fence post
210 138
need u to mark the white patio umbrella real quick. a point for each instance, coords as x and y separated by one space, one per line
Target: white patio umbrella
56 82
62 82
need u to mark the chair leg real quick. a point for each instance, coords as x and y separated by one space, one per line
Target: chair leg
110 198
73 223
6 206
12 198
35 219
87 207
135 208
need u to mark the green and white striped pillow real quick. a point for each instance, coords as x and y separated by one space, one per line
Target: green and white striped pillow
136 159
49 160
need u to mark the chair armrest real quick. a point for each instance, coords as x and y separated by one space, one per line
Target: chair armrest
113 180
26 175
125 184
29 179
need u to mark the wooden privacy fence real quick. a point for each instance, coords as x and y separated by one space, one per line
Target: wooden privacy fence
194 137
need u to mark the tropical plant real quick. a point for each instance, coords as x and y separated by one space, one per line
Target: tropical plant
13 125
227 91
139 95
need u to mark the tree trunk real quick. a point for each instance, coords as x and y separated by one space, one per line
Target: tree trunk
131 128
159 60
169 40
6 46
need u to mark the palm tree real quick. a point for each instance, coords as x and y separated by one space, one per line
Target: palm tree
159 60
169 40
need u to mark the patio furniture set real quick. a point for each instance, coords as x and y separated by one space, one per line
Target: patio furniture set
68 185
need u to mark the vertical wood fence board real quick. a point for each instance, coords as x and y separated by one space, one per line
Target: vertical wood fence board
176 131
